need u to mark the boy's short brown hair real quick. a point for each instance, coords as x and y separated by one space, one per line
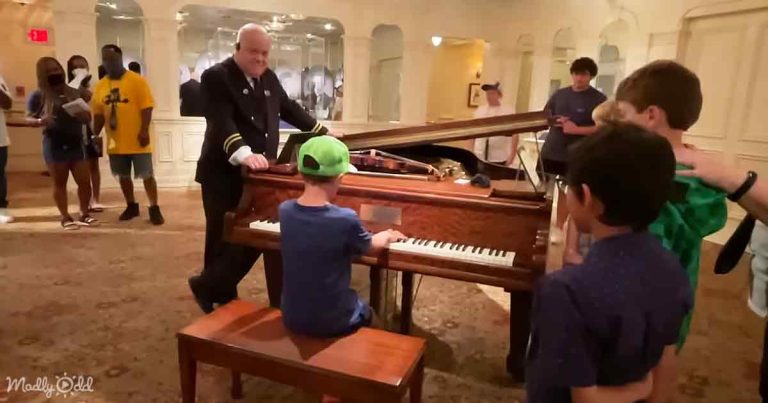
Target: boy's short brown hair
668 85
317 179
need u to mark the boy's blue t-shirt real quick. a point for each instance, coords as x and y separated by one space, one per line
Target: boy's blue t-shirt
575 105
318 244
607 321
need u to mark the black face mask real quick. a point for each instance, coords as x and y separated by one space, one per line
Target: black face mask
55 80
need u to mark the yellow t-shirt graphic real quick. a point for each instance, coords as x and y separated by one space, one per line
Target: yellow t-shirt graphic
121 102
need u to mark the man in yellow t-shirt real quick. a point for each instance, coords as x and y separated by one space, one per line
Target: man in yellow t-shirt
122 103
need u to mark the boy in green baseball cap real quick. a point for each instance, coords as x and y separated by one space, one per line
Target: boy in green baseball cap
318 241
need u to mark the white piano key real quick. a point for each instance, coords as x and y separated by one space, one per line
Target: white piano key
426 247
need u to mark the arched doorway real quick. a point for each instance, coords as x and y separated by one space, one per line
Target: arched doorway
120 22
386 73
563 53
613 46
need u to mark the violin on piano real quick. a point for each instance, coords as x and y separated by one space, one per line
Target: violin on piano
496 235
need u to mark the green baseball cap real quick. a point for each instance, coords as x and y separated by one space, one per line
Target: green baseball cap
324 156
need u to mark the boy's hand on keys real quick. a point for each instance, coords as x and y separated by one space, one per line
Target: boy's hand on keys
384 238
395 236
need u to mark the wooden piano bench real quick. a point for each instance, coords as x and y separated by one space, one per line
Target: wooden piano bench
370 365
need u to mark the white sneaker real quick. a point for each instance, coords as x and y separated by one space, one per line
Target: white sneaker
5 216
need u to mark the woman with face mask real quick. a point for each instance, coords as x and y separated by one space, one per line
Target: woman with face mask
79 77
64 141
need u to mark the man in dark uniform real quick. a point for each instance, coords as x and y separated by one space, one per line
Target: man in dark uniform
243 103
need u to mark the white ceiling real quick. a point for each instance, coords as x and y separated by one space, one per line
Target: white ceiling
205 17
112 8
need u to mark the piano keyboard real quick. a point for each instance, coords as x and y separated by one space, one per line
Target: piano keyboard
266 225
466 253
426 247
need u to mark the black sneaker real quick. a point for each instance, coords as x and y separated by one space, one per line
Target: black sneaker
155 216
131 211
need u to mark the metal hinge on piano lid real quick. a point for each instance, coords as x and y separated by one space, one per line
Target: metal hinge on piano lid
379 163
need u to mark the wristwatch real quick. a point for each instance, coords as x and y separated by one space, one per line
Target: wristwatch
744 188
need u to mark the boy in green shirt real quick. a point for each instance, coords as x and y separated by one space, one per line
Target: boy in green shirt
665 97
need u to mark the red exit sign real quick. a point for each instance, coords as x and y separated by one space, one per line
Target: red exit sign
38 35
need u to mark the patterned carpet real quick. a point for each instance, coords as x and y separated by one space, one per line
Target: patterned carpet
106 303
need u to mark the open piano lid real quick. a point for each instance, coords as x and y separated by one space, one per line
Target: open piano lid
504 125
425 135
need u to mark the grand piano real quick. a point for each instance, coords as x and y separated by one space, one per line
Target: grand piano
492 231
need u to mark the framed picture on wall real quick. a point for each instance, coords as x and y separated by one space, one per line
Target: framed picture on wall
475 95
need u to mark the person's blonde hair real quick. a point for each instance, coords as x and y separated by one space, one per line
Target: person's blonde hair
607 112
49 97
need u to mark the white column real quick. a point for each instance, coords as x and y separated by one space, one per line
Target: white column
502 63
492 63
162 64
542 68
75 34
357 59
414 87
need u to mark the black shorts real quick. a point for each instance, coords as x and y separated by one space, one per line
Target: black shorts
552 167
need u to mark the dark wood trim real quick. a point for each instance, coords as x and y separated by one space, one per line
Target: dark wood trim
427 194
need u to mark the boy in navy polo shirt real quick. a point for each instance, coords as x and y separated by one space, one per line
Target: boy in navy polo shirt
598 329
318 241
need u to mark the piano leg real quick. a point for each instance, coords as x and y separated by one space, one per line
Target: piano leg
375 297
273 271
407 303
519 330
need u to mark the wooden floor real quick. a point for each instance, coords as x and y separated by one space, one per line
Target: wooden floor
106 303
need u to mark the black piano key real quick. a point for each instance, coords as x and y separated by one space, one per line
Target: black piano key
504 254
440 244
464 248
498 253
475 249
454 247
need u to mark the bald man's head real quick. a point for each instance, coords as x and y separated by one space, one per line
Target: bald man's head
252 49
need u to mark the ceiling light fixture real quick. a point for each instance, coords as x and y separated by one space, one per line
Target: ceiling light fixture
437 40
328 27
23 2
